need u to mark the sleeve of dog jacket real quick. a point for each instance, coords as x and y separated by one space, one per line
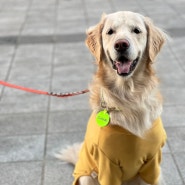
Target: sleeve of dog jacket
150 171
109 172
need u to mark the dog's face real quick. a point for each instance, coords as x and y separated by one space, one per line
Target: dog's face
123 40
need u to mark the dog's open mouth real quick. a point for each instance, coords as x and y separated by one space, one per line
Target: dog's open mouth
124 66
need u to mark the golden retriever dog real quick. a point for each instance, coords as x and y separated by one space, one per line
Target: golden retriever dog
124 136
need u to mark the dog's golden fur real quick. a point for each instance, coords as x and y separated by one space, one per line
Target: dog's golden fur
136 96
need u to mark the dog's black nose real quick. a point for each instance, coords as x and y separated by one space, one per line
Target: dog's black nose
121 45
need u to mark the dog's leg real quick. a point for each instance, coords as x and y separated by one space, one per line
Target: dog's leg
87 180
70 154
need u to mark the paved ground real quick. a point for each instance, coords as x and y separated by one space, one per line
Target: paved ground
42 46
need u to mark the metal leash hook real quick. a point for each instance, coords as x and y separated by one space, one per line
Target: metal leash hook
68 94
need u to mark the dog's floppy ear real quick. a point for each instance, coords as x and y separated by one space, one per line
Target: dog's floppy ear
94 39
155 39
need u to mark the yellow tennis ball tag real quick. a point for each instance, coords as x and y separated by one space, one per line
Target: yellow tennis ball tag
102 118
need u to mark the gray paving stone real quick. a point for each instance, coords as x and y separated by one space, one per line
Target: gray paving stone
57 142
68 121
58 173
1 88
32 62
71 26
41 15
176 80
22 124
173 116
178 50
169 171
73 5
31 75
21 148
73 70
20 173
65 15
10 29
75 52
161 18
11 23
91 6
157 9
59 85
180 159
12 20
127 6
176 139
40 5
80 102
69 79
178 6
38 28
173 96
23 103
12 17
41 21
37 53
168 65
17 4
176 32
6 53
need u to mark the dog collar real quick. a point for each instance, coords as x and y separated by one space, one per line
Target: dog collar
103 116
104 105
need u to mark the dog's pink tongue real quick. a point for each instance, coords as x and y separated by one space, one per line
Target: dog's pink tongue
123 67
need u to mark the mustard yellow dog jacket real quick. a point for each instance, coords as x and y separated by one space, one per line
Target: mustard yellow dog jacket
116 155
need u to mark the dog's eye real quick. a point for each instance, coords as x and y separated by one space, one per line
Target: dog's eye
137 30
110 31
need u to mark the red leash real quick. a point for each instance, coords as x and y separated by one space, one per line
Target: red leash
60 95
